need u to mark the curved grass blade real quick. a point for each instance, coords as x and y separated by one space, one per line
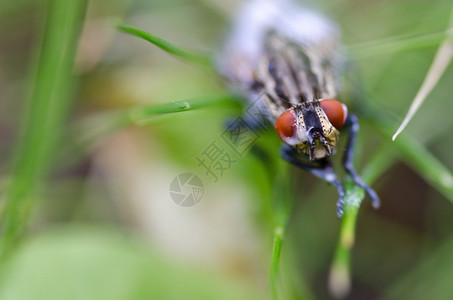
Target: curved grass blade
188 55
415 154
440 63
395 44
92 129
282 199
423 162
50 97
142 115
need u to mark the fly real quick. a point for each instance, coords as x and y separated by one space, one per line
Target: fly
289 58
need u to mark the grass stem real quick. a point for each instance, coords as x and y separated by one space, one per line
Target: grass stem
45 113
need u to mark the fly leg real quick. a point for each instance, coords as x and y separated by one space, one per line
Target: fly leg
353 123
255 118
253 121
246 123
324 171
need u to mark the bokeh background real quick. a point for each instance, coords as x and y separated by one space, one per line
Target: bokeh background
101 221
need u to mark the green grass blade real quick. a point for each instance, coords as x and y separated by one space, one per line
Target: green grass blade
189 55
339 281
381 160
282 200
44 115
339 277
395 44
92 129
414 153
275 261
421 161
142 115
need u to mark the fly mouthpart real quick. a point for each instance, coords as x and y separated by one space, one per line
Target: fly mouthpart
313 136
326 145
312 151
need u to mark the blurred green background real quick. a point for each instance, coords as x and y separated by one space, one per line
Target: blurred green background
85 173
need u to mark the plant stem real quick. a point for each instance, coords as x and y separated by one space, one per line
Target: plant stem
339 277
45 112
282 198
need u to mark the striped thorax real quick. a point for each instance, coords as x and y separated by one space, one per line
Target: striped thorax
289 59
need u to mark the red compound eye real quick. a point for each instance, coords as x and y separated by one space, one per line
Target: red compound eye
335 111
286 124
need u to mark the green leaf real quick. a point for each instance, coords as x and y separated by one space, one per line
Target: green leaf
189 55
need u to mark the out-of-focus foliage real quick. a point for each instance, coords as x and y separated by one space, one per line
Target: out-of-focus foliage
113 164
86 262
